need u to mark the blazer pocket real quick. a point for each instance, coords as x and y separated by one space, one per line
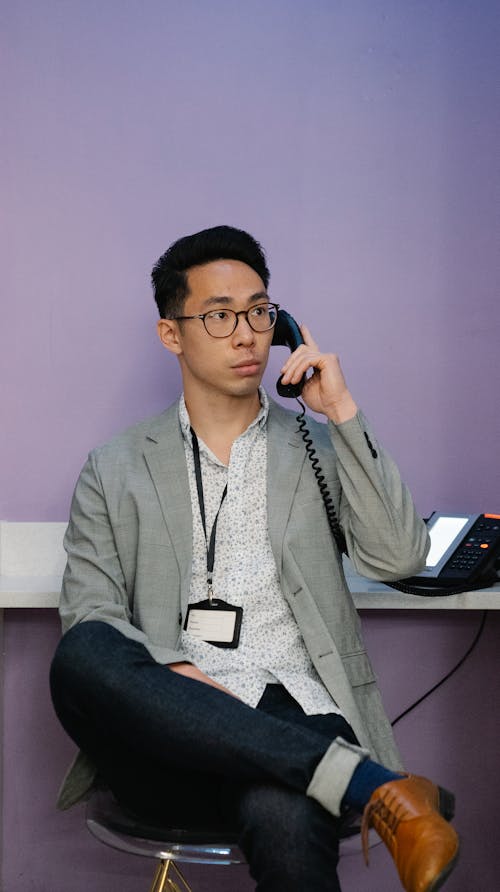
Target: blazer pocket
358 668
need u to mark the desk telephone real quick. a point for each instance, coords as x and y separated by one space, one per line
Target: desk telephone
465 548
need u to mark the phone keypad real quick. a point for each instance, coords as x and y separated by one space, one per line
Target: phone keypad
483 535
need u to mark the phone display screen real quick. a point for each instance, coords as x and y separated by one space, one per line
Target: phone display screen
443 532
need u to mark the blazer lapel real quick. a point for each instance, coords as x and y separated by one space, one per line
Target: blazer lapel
285 458
165 458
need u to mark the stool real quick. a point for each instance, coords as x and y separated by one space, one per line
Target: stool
122 830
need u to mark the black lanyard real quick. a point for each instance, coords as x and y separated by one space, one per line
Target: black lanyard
210 543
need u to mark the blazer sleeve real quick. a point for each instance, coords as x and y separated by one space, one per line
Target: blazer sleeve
94 585
386 539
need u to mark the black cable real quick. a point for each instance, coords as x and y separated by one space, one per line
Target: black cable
439 592
331 514
448 675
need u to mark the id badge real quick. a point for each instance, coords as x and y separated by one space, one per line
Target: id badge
215 622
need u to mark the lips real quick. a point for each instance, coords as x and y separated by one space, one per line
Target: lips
249 366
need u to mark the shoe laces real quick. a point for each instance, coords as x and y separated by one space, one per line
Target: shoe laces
381 814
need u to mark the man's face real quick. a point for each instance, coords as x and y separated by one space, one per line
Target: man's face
233 365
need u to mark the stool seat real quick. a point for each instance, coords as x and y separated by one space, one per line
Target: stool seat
119 828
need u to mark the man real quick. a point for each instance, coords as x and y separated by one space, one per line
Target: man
212 667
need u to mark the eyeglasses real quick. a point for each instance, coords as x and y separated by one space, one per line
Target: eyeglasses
221 323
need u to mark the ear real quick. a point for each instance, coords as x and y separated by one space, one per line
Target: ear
168 332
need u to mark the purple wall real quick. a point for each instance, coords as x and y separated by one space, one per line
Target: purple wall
360 143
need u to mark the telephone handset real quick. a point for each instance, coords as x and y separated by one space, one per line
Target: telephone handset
287 334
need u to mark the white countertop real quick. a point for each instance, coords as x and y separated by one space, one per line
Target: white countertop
32 562
43 591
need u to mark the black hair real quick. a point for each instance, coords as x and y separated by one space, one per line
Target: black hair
169 277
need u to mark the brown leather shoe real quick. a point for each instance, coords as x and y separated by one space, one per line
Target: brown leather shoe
409 816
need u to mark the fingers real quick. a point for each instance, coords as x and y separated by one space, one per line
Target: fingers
189 670
305 357
298 364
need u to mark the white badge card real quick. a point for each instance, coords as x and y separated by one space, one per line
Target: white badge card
215 622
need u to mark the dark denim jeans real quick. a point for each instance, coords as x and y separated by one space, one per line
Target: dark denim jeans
173 749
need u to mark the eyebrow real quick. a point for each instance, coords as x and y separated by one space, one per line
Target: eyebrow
223 300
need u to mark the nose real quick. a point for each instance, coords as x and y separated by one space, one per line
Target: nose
243 333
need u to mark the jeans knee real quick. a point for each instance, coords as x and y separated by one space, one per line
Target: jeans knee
77 652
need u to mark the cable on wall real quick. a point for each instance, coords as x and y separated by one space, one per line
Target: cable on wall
449 674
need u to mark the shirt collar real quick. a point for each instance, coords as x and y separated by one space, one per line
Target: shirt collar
260 419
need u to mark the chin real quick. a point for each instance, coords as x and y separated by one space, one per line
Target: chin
246 391
247 387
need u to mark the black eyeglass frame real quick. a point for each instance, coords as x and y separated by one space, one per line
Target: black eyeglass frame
244 313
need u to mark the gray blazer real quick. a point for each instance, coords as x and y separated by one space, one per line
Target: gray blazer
129 545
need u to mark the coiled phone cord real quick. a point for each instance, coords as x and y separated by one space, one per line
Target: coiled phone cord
336 529
331 514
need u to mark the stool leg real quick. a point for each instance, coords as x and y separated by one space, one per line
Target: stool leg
163 878
185 885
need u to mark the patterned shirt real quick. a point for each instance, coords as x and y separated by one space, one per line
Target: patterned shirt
271 648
